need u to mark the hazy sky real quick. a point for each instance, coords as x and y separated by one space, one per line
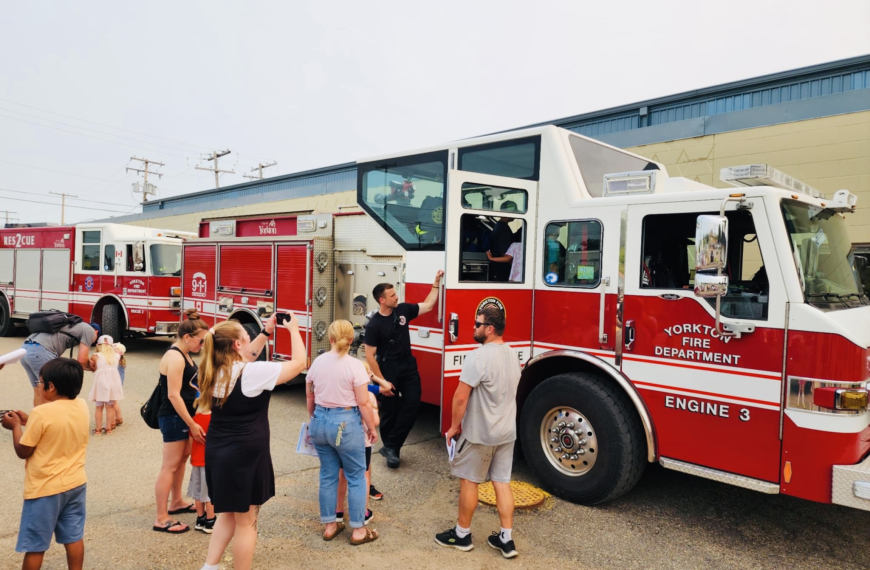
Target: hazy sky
84 86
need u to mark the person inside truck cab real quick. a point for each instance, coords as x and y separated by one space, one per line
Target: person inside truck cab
500 241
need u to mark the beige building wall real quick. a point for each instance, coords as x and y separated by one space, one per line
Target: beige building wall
829 154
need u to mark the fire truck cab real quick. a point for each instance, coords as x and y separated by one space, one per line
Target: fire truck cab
718 332
125 278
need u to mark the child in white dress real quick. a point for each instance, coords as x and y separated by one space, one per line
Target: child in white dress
106 389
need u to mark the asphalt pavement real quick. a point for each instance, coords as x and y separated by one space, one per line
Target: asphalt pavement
670 520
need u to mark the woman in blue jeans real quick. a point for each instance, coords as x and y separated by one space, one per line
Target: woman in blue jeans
338 403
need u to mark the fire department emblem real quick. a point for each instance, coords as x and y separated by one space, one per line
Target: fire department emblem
491 302
89 283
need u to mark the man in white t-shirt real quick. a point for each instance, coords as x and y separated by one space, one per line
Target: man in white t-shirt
484 419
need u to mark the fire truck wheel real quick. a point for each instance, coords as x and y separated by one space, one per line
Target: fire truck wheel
5 319
583 438
111 324
253 331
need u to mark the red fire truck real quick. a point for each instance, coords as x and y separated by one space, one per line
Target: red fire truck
125 278
718 332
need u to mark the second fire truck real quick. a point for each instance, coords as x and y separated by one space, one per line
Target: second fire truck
718 332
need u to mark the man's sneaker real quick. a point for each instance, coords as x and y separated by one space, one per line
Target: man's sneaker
339 516
392 456
448 538
369 515
375 494
508 550
205 525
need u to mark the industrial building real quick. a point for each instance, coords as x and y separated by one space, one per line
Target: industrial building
812 123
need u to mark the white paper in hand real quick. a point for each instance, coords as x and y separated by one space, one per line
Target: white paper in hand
451 448
304 445
12 357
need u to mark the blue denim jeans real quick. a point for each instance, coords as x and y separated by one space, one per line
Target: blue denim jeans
36 357
349 454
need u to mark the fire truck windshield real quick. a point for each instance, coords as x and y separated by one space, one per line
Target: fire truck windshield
824 256
166 260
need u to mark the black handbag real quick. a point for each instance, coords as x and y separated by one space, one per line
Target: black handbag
149 409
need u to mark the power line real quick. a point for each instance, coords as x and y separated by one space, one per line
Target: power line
76 199
70 206
7 212
93 137
103 124
55 171
260 168
146 188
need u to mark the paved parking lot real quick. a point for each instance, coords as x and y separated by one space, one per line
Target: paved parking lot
670 520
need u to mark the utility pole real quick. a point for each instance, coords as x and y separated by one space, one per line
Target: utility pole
63 198
7 212
215 156
145 162
260 168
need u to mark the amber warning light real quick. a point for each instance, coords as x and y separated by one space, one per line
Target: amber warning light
840 399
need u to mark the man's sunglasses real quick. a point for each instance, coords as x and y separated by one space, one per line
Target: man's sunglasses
477 324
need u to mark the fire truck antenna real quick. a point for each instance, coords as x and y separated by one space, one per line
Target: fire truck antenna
145 188
215 156
63 197
260 168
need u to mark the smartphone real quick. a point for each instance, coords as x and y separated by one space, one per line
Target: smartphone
4 412
282 317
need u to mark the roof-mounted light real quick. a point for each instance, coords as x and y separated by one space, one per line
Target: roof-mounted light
765 175
844 201
623 183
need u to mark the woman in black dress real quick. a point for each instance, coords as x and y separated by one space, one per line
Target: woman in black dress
238 464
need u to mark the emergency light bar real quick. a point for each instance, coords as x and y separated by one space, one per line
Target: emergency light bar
765 175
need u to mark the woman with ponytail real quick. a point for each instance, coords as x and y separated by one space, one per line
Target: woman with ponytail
338 399
238 463
177 371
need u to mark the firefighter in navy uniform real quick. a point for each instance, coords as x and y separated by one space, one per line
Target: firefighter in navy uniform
388 353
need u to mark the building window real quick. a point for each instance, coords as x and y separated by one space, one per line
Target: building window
518 158
572 254
91 250
406 196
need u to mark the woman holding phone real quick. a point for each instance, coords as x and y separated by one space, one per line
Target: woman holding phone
238 463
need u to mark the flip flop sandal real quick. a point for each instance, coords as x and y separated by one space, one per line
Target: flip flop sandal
97 432
371 536
338 530
169 524
109 431
191 508
119 423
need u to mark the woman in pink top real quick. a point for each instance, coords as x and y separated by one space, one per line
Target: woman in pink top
337 398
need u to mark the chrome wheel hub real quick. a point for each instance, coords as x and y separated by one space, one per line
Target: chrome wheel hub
569 442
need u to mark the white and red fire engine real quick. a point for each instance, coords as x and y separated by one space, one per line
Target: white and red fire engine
125 278
722 333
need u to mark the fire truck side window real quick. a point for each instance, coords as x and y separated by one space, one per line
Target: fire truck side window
485 197
109 258
572 254
91 250
519 158
668 261
406 195
492 248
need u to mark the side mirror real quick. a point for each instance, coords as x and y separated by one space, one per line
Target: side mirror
711 243
707 285
138 256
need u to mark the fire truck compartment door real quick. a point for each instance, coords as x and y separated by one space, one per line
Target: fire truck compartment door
715 401
55 279
7 268
27 280
474 201
294 290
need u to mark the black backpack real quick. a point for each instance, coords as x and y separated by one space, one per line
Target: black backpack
50 322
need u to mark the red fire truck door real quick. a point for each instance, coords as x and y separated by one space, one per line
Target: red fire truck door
715 400
293 291
496 214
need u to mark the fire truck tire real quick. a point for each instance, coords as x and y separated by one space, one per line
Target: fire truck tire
599 452
6 326
253 331
111 324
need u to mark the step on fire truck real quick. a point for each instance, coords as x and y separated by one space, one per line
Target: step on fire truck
722 333
125 278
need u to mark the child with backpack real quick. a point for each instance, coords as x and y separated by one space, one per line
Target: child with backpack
106 389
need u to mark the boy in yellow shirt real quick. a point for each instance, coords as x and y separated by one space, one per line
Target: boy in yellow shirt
54 447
